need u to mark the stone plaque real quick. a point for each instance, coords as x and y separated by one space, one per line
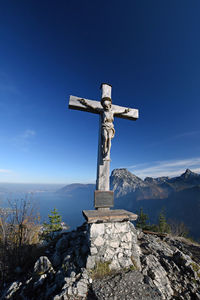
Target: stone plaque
103 199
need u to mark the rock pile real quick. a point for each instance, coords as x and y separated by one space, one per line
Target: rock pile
142 266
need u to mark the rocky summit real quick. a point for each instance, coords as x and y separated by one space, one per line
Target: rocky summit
124 182
111 261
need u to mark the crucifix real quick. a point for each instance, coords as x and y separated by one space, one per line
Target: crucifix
107 111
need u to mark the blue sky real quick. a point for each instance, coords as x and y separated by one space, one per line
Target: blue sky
148 50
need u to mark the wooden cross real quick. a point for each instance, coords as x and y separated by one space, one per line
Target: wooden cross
107 112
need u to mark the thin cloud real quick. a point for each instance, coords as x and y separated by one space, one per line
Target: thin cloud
169 168
28 133
5 171
187 134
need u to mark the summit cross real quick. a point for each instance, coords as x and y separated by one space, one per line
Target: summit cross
107 111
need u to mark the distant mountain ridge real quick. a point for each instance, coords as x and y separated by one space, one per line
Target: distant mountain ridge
124 182
178 196
75 187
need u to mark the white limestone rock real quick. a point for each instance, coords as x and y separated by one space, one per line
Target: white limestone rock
96 230
109 254
125 262
121 227
126 245
114 265
93 250
99 241
159 276
42 265
90 264
82 288
114 243
13 288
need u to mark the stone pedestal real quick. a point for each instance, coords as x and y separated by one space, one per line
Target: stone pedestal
114 243
112 239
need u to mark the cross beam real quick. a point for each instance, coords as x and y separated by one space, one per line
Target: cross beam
107 112
74 103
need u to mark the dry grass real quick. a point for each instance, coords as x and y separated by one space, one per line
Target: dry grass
101 270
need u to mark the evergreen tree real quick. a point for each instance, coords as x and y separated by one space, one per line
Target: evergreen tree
162 223
53 227
142 219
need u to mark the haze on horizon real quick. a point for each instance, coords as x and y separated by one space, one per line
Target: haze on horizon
149 53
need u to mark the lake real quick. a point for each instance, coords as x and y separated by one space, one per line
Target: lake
69 205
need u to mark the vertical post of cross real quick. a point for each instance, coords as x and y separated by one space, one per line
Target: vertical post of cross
106 90
103 193
103 164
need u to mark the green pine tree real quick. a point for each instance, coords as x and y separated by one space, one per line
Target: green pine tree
53 227
142 219
162 223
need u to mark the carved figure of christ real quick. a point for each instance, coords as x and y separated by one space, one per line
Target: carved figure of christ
107 128
107 112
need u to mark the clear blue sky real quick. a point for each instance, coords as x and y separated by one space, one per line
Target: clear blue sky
148 50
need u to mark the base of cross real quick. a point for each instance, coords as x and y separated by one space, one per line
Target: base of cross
102 216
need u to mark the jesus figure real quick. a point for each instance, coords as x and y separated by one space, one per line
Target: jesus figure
107 127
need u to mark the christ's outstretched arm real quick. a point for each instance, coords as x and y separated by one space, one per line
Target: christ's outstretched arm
123 112
86 104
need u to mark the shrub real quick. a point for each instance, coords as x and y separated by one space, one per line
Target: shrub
19 234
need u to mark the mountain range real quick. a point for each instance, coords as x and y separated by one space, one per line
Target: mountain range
179 197
124 182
